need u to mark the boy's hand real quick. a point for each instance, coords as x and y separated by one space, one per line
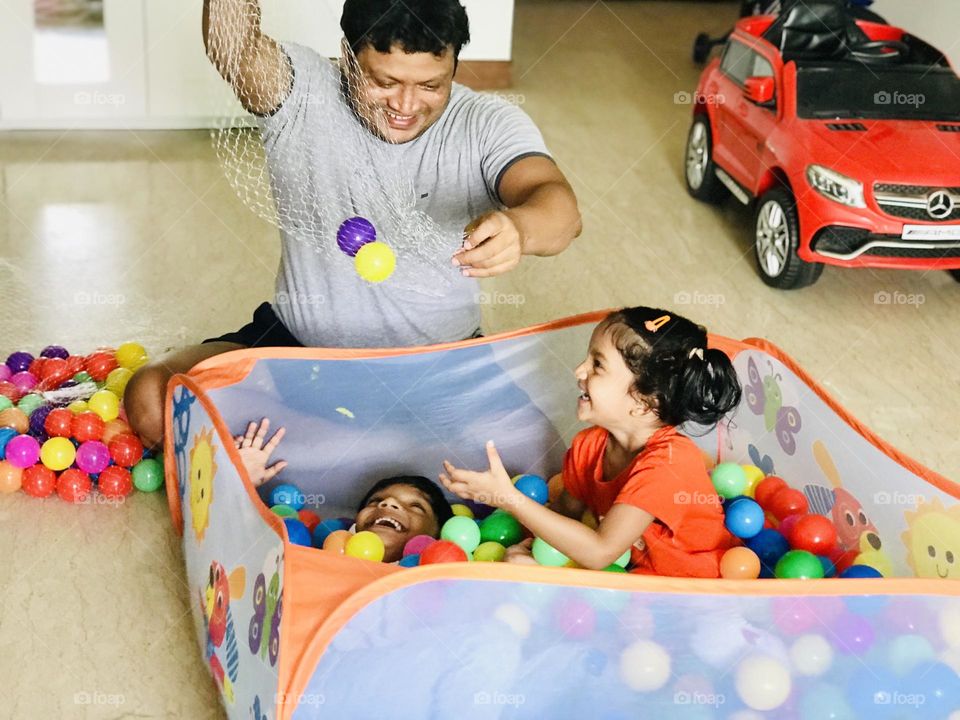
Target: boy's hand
255 454
521 553
492 487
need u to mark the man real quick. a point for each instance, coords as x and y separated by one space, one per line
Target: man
474 163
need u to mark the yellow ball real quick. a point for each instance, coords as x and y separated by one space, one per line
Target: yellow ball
366 546
131 355
375 262
105 404
117 380
78 406
754 476
58 453
462 510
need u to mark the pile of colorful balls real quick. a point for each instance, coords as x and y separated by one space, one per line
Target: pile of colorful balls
62 426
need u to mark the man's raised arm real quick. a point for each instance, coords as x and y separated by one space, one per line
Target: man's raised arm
254 64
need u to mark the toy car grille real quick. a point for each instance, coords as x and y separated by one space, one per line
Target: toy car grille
910 201
901 252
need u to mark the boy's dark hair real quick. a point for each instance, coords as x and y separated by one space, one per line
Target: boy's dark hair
415 25
673 369
438 501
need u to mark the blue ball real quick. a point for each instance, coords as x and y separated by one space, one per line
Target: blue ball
534 487
297 531
871 692
744 518
937 685
325 528
770 546
410 560
287 494
861 571
6 434
829 568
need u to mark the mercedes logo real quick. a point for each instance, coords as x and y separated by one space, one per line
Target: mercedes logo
940 204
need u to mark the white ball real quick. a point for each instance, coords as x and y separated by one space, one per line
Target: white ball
951 658
811 655
644 666
762 682
515 617
950 624
905 652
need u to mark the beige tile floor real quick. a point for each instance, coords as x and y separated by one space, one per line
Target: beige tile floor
110 236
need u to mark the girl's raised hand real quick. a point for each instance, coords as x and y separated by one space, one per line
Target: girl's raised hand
492 487
256 454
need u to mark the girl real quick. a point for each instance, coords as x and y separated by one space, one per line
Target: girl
646 372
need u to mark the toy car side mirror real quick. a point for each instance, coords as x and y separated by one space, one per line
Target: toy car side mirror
759 90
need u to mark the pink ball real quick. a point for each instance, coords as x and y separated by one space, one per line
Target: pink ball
25 380
23 451
853 634
796 616
575 618
93 457
417 544
4 372
787 524
637 619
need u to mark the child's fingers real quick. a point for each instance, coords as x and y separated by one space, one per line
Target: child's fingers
272 471
496 464
261 432
248 436
275 440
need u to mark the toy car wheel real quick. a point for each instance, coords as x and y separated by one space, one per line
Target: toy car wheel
777 235
701 48
699 170
955 274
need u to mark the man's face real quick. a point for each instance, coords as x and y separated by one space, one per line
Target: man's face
412 89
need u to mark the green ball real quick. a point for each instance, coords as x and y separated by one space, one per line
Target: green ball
615 568
501 527
5 403
489 552
29 403
148 475
82 377
623 559
799 564
462 531
547 555
284 511
729 479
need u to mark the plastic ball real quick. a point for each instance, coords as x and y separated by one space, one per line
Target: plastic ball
515 618
82 377
38 419
948 621
744 518
336 541
297 532
938 684
461 510
644 666
99 365
462 531
876 559
811 655
25 380
501 527
365 545
75 364
770 546
860 571
787 501
309 518
39 481
324 530
284 511
10 391
740 563
787 525
6 435
87 426
117 380
417 544
866 686
148 475
58 423
813 533
11 477
825 701
15 418
729 479
442 551
5 402
533 486
78 406
754 477
852 634
287 494
409 561
624 559
126 450
574 618
547 555
829 567
54 351
115 427
74 485
29 403
375 262
905 652
53 374
762 682
115 482
105 404
131 356
489 552
799 564
354 233
767 488
58 453
19 361
24 451
5 372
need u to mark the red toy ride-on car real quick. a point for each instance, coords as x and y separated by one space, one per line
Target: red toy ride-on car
843 134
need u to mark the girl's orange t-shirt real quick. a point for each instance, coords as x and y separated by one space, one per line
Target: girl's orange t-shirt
668 479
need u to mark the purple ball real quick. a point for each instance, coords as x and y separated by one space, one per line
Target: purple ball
93 457
354 233
37 418
54 351
19 361
23 451
853 634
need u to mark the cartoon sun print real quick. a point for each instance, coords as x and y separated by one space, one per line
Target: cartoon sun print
202 470
932 540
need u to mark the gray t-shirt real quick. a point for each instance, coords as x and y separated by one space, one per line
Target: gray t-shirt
455 168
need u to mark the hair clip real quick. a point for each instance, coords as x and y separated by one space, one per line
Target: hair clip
698 351
654 325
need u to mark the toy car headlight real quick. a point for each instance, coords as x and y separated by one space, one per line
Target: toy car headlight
835 186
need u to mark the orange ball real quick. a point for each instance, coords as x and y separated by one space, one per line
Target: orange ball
15 418
442 551
10 477
740 563
336 541
114 428
115 482
39 481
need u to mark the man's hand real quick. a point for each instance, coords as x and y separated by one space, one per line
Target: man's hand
492 487
255 454
493 245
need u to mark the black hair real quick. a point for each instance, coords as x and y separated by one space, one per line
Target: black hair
674 371
438 501
415 25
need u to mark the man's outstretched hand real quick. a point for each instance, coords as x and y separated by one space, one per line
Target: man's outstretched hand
493 245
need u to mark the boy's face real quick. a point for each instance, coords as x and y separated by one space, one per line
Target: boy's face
397 513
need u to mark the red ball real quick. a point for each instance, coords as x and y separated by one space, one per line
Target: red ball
813 533
73 485
59 423
309 518
75 364
126 450
442 551
845 560
36 367
39 481
767 488
10 391
787 501
99 365
115 482
55 368
87 426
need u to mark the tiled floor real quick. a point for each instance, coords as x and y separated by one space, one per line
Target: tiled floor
135 235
